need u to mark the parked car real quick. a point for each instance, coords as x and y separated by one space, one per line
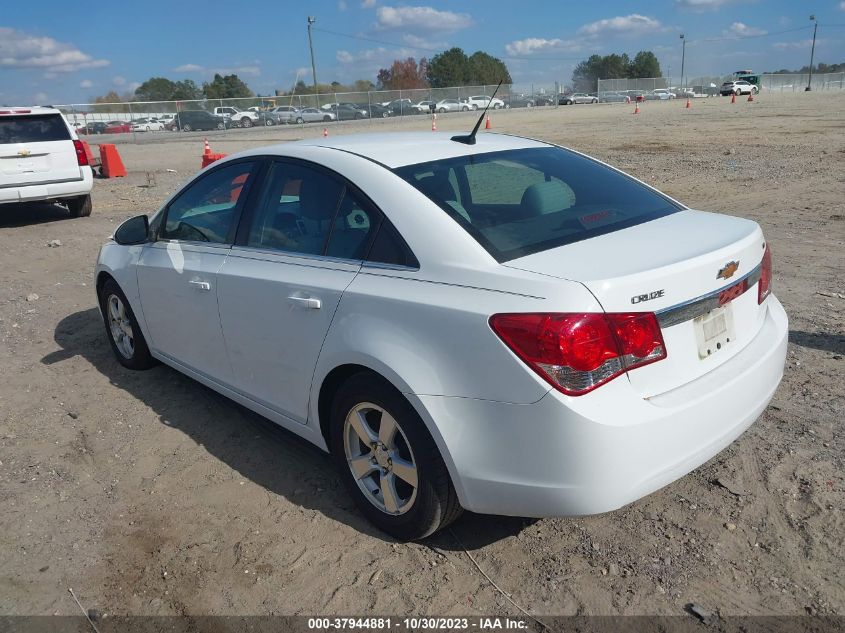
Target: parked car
269 117
313 115
349 111
577 97
147 125
453 347
480 102
238 117
659 94
544 100
41 158
117 127
94 127
518 101
286 114
376 110
740 87
424 107
400 107
189 120
450 105
614 97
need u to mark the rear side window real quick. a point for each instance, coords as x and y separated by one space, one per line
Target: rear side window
33 128
519 202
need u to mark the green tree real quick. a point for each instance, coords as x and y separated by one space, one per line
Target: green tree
163 89
227 87
485 69
645 65
449 68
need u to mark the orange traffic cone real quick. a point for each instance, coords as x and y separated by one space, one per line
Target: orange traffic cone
750 97
733 98
112 166
433 122
689 103
487 125
325 131
207 149
637 108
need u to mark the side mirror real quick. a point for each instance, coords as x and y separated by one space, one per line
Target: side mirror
134 231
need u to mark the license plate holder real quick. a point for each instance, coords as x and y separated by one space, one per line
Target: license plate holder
714 330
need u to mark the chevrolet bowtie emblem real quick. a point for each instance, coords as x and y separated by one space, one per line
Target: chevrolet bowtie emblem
24 152
728 270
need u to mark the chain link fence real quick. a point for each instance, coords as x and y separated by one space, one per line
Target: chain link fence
798 82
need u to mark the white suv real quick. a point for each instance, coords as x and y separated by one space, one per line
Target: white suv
481 101
41 158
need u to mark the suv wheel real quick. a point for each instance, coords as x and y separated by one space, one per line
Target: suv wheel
79 207
268 122
388 461
246 122
186 127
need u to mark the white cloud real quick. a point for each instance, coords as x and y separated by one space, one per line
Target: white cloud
188 68
423 42
86 83
634 24
738 29
702 5
535 45
119 81
341 5
842 6
368 4
23 50
40 98
421 20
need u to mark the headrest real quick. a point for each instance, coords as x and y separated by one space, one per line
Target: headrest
437 186
547 197
318 197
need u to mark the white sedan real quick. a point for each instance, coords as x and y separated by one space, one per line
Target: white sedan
147 125
505 326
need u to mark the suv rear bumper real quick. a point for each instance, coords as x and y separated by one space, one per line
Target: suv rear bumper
49 190
575 456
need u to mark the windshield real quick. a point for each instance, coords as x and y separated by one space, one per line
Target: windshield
33 128
519 202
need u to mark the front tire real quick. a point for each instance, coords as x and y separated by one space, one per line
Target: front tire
79 207
186 127
246 122
388 461
127 341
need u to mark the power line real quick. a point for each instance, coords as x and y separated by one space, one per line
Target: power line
748 37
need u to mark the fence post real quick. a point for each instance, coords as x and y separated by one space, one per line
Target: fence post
369 106
132 127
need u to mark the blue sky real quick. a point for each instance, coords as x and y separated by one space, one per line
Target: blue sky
64 52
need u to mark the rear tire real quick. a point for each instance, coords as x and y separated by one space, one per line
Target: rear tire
246 122
186 127
127 341
79 207
409 512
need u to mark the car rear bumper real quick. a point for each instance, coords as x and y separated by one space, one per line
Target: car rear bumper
564 456
49 190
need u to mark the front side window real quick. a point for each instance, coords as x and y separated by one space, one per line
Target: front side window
206 210
518 202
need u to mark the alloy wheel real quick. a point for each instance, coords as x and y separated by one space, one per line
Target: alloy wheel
120 326
380 458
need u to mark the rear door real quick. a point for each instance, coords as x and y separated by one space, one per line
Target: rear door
283 280
36 149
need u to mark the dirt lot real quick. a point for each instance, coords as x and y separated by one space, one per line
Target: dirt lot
150 494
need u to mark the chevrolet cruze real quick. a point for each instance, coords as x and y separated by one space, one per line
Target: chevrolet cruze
494 323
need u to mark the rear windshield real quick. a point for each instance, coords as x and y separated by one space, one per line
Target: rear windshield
33 128
519 202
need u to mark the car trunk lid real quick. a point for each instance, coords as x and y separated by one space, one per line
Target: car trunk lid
682 267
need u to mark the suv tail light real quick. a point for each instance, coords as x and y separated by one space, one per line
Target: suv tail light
81 156
764 286
576 353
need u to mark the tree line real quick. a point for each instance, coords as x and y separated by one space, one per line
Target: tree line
587 73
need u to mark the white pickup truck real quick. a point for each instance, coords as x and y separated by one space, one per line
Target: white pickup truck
241 118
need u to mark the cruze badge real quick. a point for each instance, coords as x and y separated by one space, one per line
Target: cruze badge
728 270
24 152
648 297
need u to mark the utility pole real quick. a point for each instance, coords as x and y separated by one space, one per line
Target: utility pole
683 58
311 20
812 52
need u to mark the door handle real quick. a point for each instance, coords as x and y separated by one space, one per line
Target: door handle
200 285
307 302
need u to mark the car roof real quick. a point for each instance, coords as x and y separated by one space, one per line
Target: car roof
32 110
391 149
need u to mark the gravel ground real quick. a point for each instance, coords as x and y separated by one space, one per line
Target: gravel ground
150 494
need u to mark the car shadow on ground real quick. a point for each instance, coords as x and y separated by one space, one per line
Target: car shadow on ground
28 213
824 341
259 450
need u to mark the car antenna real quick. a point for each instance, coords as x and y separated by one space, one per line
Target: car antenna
469 139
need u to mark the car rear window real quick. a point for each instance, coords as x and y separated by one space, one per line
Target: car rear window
519 202
33 128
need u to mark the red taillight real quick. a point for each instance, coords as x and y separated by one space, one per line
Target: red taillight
764 286
576 353
81 155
